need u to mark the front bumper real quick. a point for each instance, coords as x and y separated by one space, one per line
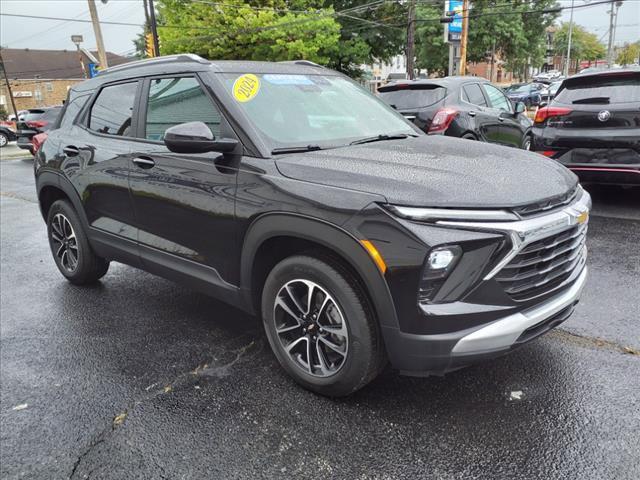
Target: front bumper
438 354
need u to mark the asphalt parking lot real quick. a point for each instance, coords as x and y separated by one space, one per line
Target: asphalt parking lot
140 378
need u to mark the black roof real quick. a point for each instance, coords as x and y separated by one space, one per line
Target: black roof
194 63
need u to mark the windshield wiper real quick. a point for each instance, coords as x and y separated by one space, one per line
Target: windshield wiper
302 148
380 138
592 101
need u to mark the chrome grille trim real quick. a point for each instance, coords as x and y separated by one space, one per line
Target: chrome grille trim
532 232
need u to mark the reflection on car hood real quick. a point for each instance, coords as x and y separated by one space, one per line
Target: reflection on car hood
435 171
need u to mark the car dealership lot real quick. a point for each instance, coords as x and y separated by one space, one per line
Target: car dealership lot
140 378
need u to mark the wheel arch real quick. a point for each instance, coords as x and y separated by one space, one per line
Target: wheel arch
273 237
53 186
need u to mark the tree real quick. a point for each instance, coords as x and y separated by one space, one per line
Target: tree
258 30
515 31
629 54
584 45
367 34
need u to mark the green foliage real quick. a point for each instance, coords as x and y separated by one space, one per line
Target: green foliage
237 31
3 113
629 54
517 37
584 45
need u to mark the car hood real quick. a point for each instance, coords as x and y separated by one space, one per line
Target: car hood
435 171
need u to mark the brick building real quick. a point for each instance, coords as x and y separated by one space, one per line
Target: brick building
41 78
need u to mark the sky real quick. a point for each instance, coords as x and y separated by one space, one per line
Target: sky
16 32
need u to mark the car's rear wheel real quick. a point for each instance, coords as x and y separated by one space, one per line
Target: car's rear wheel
4 139
526 142
469 136
320 325
70 247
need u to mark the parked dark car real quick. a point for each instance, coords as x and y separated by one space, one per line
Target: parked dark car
7 134
33 122
528 93
465 107
592 126
289 191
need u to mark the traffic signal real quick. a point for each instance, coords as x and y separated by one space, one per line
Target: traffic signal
148 45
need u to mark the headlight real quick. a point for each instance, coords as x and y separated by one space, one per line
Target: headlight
439 264
435 214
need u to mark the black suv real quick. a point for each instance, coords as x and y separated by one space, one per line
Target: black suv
464 107
290 192
592 126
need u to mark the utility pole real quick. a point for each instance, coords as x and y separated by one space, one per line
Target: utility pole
612 35
464 37
411 34
154 28
102 55
6 79
493 58
568 59
612 14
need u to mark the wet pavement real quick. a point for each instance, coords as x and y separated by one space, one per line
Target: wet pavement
137 377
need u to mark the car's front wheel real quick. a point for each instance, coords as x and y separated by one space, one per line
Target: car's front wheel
70 246
320 325
4 139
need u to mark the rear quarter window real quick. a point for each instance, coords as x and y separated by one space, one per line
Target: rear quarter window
408 98
601 90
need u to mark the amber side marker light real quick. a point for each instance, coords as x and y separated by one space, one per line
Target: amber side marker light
375 255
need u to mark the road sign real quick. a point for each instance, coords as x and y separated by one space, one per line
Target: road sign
453 30
93 70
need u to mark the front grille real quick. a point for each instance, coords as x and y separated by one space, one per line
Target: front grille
544 265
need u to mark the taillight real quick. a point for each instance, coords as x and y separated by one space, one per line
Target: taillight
442 119
548 153
37 123
37 141
545 113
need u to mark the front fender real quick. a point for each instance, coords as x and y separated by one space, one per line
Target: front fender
328 235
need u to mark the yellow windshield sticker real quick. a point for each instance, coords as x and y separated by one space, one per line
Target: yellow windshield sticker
246 87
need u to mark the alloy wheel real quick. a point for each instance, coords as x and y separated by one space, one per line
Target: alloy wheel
311 328
65 243
3 140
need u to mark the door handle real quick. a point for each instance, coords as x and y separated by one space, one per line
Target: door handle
472 113
500 119
71 150
144 162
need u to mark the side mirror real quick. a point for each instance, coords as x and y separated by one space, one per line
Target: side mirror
196 137
520 108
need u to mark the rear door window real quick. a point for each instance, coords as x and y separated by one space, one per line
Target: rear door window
601 90
112 112
178 100
473 94
407 98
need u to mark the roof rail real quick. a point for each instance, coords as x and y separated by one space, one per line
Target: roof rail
308 63
183 57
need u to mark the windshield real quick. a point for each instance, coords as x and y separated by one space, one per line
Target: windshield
320 110
412 98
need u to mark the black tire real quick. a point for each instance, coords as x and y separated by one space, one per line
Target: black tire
469 136
4 139
526 142
365 355
88 267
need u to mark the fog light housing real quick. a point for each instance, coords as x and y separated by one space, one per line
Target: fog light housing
439 264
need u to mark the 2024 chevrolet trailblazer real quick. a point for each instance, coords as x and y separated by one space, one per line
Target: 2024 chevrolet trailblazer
288 191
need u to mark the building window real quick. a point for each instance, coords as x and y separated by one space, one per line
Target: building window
48 86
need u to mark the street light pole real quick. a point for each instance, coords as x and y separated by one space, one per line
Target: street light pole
102 55
411 34
568 59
